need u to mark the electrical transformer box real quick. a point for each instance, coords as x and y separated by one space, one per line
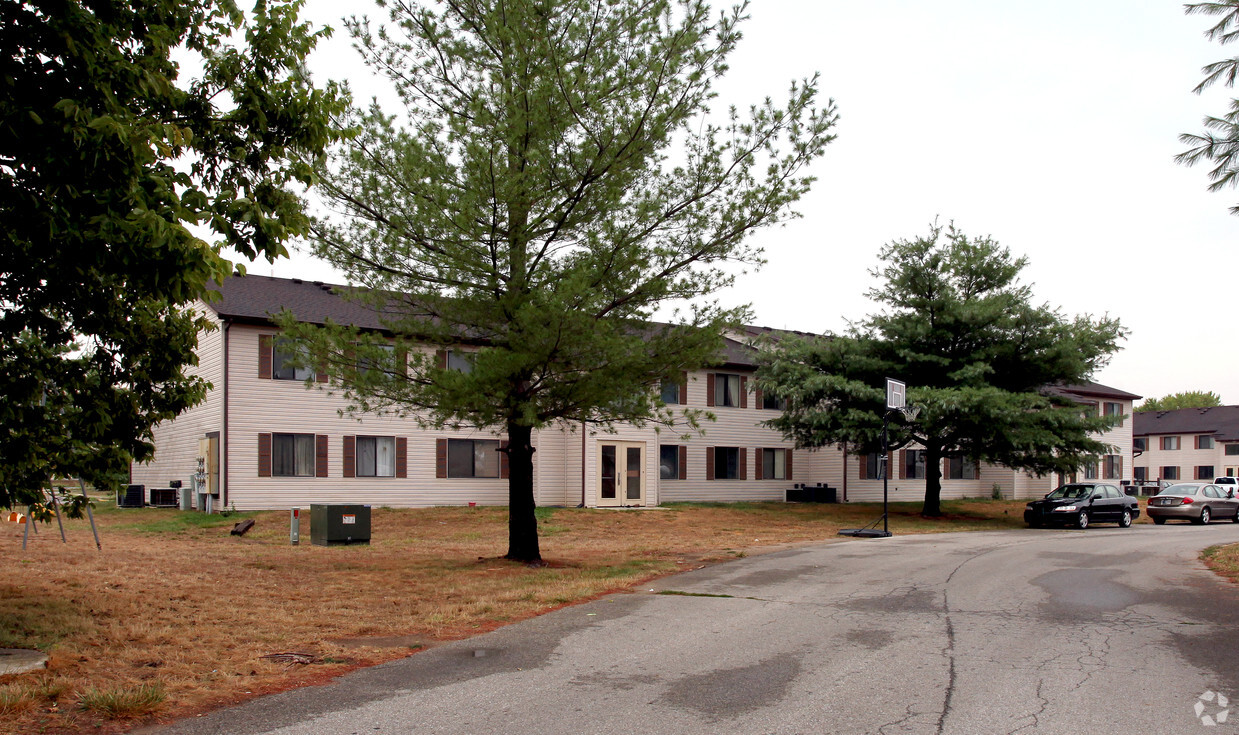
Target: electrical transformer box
335 525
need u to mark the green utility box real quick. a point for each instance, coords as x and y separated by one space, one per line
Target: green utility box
336 525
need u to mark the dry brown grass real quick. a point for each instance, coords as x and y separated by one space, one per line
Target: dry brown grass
1223 560
175 615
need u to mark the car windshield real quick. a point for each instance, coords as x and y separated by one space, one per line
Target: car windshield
1072 491
1180 490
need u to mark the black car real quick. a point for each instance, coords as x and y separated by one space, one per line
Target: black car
1080 504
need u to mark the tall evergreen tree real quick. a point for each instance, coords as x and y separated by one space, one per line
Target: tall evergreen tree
556 180
108 158
979 359
1219 143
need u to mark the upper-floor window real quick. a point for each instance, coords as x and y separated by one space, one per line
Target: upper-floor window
1204 442
461 362
289 361
670 393
1113 409
1232 449
726 389
1170 442
773 403
366 363
1140 444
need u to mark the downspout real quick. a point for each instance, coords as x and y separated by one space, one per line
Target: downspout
845 472
223 454
583 453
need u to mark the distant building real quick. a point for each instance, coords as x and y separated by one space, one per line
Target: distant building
1187 444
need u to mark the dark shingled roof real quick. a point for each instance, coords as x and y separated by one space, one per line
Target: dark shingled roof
255 299
1093 390
1220 421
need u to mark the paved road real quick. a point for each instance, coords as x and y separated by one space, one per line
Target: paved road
1047 631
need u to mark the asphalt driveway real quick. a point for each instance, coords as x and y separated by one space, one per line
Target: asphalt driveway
1041 631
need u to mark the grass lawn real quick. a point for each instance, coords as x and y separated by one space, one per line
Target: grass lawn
175 616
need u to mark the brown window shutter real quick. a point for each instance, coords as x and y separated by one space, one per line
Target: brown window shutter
349 456
757 399
265 346
402 361
744 461
710 390
441 359
320 455
790 454
863 472
946 468
744 392
320 375
402 457
684 389
757 464
440 457
683 462
504 466
903 464
264 455
978 471
709 463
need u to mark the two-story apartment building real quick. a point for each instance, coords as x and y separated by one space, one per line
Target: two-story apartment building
1187 444
265 441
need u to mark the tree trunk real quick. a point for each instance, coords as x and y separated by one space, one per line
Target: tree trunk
933 482
522 523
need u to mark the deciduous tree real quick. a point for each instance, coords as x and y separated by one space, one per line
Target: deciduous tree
980 360
556 180
108 161
1186 399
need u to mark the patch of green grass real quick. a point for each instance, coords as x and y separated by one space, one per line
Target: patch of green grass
163 520
31 621
123 702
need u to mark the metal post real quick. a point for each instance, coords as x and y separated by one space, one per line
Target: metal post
56 507
294 526
886 469
26 533
89 514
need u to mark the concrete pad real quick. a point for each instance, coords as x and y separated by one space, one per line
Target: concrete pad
21 660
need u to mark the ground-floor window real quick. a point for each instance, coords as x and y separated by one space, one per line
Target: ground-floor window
1141 473
774 464
1204 472
1170 473
961 468
1112 467
727 463
670 462
1090 471
914 464
472 458
292 455
376 456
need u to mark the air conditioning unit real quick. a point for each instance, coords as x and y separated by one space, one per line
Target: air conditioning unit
133 496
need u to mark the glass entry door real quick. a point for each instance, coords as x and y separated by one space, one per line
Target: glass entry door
621 473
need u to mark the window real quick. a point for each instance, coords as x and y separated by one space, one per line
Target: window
669 465
1170 473
1112 467
285 354
1140 444
1113 409
872 467
727 463
773 403
774 464
375 362
670 393
1204 472
472 458
376 456
1232 450
961 468
726 389
461 362
1204 442
914 464
1090 471
1141 473
292 455
1170 442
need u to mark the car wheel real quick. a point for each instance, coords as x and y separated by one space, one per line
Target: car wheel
1204 516
1125 520
1082 521
1159 521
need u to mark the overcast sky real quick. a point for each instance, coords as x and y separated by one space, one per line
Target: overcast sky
1050 126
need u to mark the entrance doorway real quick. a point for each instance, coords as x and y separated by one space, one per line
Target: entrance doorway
621 473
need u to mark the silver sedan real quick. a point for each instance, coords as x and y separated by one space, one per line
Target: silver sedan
1198 502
